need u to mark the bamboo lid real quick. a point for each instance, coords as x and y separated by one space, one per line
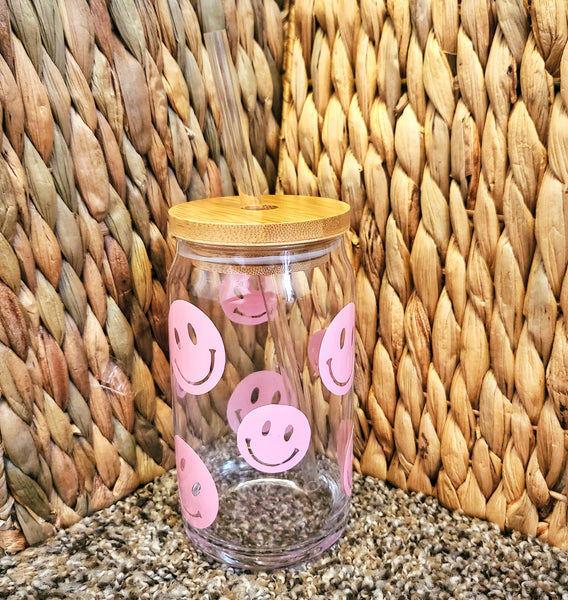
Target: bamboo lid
281 219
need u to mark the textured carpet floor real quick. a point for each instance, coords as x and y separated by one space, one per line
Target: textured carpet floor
396 545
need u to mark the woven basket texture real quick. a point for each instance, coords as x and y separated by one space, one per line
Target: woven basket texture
444 124
109 116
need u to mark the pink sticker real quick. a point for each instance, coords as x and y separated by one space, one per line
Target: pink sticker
197 353
337 352
345 455
243 301
198 495
314 346
274 438
255 390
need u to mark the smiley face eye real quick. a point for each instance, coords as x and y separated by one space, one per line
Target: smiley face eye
196 489
276 397
266 428
238 293
254 395
176 338
342 337
288 433
182 464
191 333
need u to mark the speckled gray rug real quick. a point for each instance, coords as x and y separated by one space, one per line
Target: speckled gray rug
396 545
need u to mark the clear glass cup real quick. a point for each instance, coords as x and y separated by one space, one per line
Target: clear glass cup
261 354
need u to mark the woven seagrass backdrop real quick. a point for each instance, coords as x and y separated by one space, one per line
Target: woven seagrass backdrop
109 117
444 125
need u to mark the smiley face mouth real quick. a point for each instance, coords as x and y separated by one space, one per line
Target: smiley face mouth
334 379
196 515
267 464
242 314
201 381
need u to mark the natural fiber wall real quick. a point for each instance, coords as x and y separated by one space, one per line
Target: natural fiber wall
444 125
108 116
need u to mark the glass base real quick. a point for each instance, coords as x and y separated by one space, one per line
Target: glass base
267 522
241 558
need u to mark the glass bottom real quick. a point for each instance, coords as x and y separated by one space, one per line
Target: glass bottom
270 521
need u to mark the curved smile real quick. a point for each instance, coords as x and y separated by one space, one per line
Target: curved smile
242 314
336 381
201 381
266 464
197 515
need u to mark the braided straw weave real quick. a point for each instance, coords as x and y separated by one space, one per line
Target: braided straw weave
108 116
444 124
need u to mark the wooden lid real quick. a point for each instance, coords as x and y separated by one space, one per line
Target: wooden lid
281 219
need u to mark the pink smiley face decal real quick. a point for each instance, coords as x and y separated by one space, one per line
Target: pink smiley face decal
345 455
198 495
260 388
274 438
197 353
243 301
337 352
